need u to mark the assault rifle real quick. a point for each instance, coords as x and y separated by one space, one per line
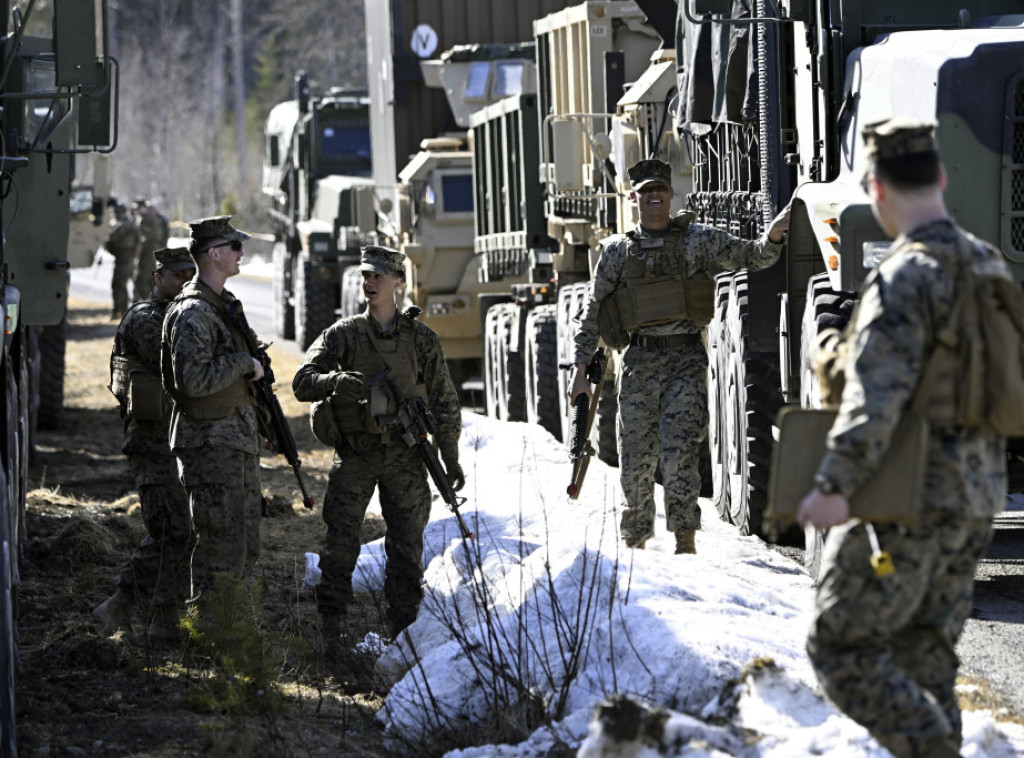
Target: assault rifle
273 424
584 411
415 423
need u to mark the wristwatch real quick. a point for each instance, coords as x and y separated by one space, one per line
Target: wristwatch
826 486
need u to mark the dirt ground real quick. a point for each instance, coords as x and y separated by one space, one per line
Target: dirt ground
266 690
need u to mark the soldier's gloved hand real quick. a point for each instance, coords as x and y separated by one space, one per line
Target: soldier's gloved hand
450 456
349 385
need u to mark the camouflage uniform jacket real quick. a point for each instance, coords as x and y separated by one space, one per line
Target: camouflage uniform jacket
153 230
205 357
706 250
138 335
124 237
905 301
332 351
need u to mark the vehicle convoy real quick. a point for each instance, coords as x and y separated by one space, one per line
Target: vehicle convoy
783 120
751 111
316 159
422 164
57 95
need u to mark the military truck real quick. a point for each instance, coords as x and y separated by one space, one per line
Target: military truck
771 105
538 232
422 164
317 157
57 94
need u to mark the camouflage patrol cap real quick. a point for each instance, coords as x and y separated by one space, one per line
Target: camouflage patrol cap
173 259
382 260
205 231
648 172
897 138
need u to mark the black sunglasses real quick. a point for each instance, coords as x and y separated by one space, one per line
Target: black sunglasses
234 244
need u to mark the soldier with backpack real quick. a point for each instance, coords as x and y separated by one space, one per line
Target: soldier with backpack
159 571
882 641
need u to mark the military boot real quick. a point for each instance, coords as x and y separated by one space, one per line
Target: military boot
163 627
686 542
333 629
114 613
942 748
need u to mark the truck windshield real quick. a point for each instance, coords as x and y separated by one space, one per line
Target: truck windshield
339 142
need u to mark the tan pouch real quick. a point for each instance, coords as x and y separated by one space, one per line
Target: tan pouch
894 493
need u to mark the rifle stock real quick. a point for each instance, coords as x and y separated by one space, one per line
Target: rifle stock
274 425
584 412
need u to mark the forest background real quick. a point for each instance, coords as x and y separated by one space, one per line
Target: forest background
198 78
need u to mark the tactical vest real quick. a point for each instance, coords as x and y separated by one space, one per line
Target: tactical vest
136 386
222 403
370 355
658 290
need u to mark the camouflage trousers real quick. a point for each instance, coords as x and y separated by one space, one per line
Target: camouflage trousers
142 277
159 570
225 495
397 471
123 262
663 418
883 648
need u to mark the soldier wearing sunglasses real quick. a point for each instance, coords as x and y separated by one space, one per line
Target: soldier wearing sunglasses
214 432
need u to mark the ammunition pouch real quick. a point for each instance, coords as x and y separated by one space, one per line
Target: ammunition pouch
609 323
219 405
138 390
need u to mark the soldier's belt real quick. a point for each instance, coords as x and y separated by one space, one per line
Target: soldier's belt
665 342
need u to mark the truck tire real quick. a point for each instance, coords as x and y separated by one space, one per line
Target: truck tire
492 376
283 308
541 369
8 626
570 301
753 402
717 363
511 365
315 302
352 302
52 344
823 309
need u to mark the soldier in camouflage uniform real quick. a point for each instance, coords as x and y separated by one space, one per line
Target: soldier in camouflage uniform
153 234
340 365
122 243
663 403
883 647
159 570
214 431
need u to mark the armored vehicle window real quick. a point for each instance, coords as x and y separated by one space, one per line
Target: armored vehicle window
476 84
508 78
457 193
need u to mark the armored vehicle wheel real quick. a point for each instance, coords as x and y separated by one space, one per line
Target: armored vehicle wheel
717 363
823 309
541 369
753 401
492 378
52 343
316 294
570 301
352 302
283 310
8 626
511 365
